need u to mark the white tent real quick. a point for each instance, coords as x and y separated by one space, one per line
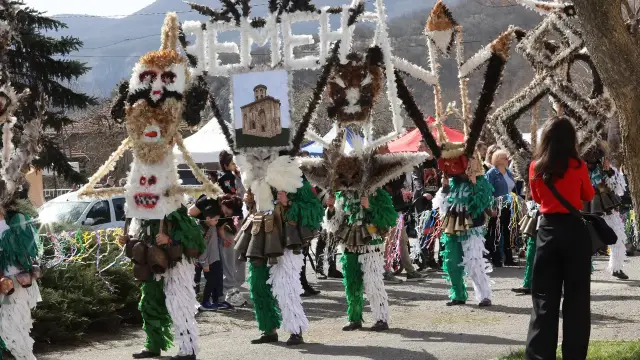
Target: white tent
205 145
316 149
527 136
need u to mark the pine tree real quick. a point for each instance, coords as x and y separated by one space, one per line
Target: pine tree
35 61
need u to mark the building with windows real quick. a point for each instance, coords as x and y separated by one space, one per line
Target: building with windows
262 116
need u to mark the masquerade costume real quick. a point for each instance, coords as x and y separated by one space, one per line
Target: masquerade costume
20 247
161 239
464 201
363 212
271 238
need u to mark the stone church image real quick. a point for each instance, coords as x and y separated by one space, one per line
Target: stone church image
261 117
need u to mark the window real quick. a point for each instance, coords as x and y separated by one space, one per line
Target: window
100 213
118 208
262 128
252 125
66 212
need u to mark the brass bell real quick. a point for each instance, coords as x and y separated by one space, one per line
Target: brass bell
468 222
141 272
449 228
24 279
139 253
157 259
6 286
459 227
36 272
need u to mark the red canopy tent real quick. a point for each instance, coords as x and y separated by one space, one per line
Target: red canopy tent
411 140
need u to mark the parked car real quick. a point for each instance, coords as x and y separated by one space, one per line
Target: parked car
94 213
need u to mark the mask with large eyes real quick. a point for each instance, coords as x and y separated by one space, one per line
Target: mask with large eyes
353 90
149 192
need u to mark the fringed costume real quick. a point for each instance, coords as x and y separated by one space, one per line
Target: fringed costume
271 239
359 231
20 250
463 213
160 238
466 194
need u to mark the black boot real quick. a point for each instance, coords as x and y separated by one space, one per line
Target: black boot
522 291
295 339
145 354
380 326
456 302
309 291
621 275
266 338
352 325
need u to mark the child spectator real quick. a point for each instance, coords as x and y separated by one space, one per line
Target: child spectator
210 262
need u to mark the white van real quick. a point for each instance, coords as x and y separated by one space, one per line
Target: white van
95 213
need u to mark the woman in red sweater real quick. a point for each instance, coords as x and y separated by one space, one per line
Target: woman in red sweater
563 249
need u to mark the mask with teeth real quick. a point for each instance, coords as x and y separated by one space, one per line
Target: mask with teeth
150 191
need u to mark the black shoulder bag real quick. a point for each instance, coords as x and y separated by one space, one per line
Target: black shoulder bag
600 232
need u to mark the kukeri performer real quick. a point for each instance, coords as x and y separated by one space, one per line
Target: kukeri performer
271 239
359 223
464 200
162 241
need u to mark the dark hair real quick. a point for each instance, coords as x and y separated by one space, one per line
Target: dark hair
231 201
557 147
225 158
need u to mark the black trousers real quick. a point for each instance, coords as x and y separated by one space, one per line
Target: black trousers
213 288
499 248
563 260
303 273
198 277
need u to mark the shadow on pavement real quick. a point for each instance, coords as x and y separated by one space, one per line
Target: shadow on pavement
365 352
435 336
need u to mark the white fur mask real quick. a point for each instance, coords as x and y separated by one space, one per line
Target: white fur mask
147 189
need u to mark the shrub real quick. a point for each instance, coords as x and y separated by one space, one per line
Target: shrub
78 300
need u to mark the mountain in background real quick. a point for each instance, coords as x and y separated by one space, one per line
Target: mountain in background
113 45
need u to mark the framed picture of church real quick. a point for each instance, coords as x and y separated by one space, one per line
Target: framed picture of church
261 109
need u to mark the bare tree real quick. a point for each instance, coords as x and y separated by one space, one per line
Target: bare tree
613 43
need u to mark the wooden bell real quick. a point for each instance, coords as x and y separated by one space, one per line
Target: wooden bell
139 253
141 272
128 248
157 259
175 253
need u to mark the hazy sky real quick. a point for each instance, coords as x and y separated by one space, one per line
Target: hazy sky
90 7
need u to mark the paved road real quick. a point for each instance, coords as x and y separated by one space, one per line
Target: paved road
422 327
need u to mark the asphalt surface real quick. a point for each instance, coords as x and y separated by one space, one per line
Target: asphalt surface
422 327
